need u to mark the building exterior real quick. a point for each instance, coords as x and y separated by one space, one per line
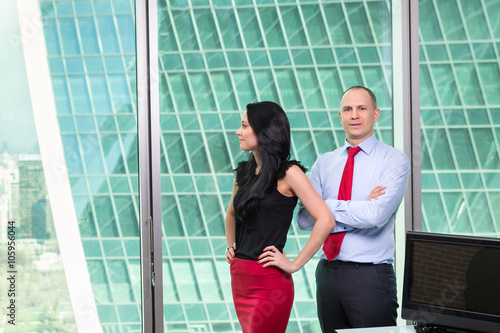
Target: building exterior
35 217
214 58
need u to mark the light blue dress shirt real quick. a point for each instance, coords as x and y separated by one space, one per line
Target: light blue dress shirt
369 224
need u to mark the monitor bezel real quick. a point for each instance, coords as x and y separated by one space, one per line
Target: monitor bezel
442 315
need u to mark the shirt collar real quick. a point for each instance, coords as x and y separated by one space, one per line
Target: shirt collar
366 146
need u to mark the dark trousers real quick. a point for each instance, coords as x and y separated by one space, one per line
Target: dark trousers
354 295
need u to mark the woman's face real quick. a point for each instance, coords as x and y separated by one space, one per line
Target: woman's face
248 138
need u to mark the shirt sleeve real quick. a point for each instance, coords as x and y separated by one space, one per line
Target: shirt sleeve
375 213
304 219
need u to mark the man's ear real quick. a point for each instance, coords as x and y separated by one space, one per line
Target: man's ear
376 114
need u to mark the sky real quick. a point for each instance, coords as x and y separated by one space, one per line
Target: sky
17 126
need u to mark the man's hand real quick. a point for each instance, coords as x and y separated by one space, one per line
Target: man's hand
376 192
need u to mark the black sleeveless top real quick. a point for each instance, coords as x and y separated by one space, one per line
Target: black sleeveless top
269 225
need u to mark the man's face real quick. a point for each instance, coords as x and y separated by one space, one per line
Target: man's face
357 115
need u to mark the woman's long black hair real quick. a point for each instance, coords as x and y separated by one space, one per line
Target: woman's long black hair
270 124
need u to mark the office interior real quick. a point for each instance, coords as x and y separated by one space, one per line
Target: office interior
118 140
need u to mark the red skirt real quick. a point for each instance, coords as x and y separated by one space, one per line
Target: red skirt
263 297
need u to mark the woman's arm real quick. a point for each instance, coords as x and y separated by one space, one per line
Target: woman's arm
301 186
230 226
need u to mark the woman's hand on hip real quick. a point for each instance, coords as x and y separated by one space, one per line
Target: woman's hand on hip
230 254
271 256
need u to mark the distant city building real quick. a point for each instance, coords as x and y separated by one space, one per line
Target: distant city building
13 206
8 172
33 212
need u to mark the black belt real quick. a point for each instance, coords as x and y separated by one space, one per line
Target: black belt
340 263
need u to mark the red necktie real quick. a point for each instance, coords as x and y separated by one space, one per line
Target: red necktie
332 244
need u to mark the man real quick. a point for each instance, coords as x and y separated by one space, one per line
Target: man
358 287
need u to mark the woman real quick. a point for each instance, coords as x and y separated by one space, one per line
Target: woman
265 193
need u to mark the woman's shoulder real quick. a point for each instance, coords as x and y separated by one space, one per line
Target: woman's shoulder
295 172
297 164
290 165
295 178
295 169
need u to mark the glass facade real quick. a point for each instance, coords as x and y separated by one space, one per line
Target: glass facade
90 48
460 116
215 56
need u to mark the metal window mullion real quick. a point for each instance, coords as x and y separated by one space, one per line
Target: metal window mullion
413 202
405 85
149 165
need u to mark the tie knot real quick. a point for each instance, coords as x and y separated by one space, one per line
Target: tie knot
352 151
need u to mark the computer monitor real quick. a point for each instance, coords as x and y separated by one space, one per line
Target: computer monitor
451 283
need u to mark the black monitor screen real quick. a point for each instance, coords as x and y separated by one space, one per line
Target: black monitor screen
452 280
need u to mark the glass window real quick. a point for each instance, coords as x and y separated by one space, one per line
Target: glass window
460 143
69 183
215 58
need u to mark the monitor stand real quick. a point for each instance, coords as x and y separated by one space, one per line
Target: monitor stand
431 328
